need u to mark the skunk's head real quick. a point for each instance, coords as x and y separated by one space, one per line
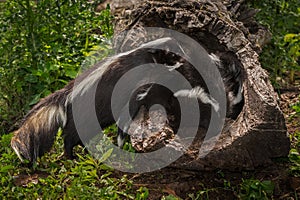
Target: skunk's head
232 75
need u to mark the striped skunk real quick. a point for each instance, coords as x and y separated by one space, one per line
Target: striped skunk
39 127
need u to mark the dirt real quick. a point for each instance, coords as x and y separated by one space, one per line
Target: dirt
24 179
213 184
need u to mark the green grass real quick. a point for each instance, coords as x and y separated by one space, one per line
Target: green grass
54 177
84 178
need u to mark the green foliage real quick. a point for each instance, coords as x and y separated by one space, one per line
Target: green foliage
294 155
281 56
56 178
142 193
112 131
296 107
43 44
170 197
9 166
203 193
255 189
248 189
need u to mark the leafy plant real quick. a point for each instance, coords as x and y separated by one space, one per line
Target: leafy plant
294 155
170 197
296 107
281 56
56 178
142 193
292 43
112 131
43 45
255 189
202 193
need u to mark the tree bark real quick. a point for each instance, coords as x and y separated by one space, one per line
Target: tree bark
259 133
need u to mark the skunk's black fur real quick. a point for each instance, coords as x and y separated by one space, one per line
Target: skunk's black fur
39 127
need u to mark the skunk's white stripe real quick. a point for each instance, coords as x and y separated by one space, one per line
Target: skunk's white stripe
63 116
215 59
52 115
236 99
17 151
82 87
36 149
56 115
141 96
172 68
155 43
233 68
198 93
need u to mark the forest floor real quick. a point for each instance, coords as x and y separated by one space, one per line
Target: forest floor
172 183
222 184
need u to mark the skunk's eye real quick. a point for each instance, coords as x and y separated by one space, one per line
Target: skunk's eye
173 55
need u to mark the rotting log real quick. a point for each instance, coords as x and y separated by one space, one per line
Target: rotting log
259 134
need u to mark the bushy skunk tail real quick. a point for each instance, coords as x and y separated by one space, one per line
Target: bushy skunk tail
38 130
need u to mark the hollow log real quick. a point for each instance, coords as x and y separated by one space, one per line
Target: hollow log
258 134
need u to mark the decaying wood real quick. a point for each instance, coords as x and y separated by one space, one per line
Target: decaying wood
259 133
149 131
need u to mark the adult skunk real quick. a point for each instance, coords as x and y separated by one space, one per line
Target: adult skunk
39 127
